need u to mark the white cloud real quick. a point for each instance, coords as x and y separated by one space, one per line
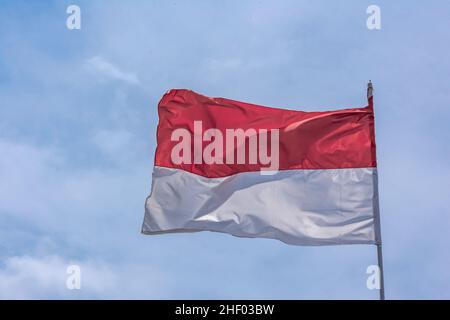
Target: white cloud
48 207
107 69
25 277
41 186
45 277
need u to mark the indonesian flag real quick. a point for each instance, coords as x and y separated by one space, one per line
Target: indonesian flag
305 178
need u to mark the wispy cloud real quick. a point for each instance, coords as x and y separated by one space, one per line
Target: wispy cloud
107 69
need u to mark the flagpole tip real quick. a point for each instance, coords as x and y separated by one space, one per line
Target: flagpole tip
369 89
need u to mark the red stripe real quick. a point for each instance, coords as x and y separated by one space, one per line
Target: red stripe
307 140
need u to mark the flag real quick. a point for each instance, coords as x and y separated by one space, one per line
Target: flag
305 178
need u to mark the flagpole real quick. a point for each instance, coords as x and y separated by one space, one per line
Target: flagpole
377 217
380 265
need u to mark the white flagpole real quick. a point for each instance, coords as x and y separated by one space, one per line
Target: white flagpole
377 218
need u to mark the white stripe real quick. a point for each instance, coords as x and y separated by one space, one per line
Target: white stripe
302 207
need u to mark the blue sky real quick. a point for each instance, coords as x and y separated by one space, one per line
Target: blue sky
77 137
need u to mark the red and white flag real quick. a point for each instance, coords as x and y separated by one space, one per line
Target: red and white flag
305 178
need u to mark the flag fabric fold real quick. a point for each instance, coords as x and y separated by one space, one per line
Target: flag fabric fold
305 178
